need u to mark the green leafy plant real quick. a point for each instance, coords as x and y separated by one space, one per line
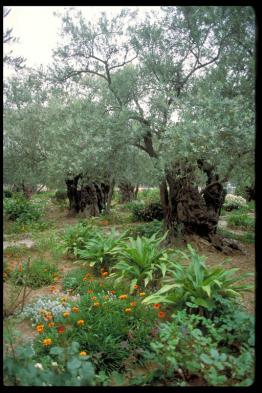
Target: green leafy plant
192 345
40 273
194 285
101 250
76 237
150 212
247 237
111 329
63 366
241 221
21 210
146 230
141 261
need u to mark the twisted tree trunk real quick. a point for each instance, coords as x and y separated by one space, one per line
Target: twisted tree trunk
128 192
88 200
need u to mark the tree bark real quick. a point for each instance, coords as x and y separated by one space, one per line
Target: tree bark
127 192
87 200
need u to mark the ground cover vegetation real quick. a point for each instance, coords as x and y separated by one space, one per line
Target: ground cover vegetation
113 289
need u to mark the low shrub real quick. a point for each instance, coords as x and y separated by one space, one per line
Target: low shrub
195 286
108 328
21 210
101 250
233 202
148 195
40 273
247 237
192 345
7 194
241 221
146 230
150 212
141 261
60 195
61 366
75 237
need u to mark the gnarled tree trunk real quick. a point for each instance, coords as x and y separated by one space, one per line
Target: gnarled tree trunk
128 192
186 210
89 200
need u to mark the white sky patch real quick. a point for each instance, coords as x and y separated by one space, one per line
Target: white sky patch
38 28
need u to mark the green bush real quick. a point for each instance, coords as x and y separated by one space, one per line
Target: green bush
21 210
148 195
40 273
7 194
61 366
60 195
192 345
141 261
195 286
146 230
241 221
111 329
100 251
75 237
150 212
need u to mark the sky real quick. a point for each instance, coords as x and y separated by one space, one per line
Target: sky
38 29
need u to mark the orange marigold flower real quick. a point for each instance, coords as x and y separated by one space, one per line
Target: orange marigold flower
53 289
75 309
46 342
87 274
113 292
90 291
142 294
85 278
66 314
51 324
40 328
83 353
136 286
161 314
81 322
127 310
133 304
105 274
96 304
93 298
60 329
122 297
156 305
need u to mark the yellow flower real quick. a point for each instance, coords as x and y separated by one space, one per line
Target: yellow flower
46 342
51 324
75 309
40 328
127 310
81 322
142 294
66 314
83 353
63 299
122 297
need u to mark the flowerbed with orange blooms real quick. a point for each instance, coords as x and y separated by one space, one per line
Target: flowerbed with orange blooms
108 324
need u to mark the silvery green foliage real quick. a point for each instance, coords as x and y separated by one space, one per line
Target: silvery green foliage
54 305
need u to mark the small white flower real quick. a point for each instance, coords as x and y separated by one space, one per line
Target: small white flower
39 365
54 364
